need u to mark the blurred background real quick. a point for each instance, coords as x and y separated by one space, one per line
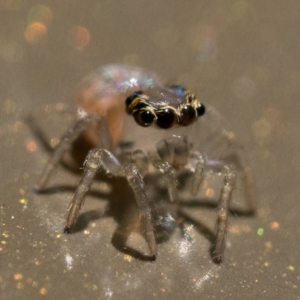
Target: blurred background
242 57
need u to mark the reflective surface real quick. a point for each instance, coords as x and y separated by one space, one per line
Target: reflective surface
238 56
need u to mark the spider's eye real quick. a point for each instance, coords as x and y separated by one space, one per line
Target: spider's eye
200 109
144 117
187 115
178 89
166 118
134 97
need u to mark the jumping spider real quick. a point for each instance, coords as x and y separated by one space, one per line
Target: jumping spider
162 124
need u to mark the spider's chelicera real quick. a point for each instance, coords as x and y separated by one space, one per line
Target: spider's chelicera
166 141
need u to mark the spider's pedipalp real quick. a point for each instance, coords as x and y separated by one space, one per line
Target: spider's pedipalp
166 169
198 174
137 185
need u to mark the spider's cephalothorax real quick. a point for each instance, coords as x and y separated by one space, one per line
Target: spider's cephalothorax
147 111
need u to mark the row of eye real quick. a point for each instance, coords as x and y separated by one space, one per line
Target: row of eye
165 117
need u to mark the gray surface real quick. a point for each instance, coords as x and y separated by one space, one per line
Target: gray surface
241 57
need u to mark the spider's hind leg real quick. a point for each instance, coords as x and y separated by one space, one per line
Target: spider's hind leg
223 210
223 139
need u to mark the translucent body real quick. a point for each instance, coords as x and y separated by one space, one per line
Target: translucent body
124 147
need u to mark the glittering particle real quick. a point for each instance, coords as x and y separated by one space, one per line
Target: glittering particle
5 234
40 13
274 225
18 276
54 142
20 285
86 232
268 245
69 261
23 201
128 258
108 293
80 37
37 263
3 242
35 283
185 244
133 82
31 146
291 268
199 282
95 287
43 291
210 193
260 231
266 263
35 33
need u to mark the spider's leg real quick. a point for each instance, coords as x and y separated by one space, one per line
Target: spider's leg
137 185
233 151
247 178
65 143
198 174
96 159
166 169
223 210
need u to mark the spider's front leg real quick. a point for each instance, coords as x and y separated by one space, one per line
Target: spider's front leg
64 145
97 159
137 184
223 210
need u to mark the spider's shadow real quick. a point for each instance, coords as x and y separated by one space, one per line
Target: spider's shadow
122 208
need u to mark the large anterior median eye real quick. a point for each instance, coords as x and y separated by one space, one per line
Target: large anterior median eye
166 117
144 117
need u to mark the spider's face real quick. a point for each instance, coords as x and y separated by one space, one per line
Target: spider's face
165 107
